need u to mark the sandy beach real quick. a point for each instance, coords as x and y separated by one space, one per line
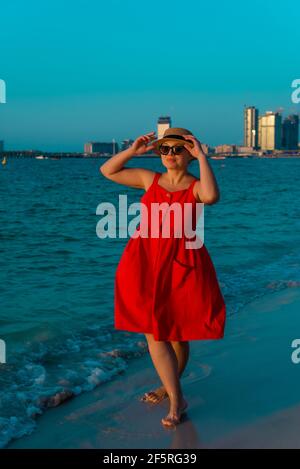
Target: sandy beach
242 393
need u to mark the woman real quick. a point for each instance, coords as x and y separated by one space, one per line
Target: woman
162 288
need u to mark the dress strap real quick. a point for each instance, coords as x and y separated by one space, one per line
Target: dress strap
154 182
156 178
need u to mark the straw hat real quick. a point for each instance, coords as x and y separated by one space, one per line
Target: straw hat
173 134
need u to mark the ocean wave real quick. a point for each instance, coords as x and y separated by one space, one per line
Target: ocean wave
46 374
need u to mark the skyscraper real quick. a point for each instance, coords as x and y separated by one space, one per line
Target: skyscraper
290 132
269 131
163 123
251 127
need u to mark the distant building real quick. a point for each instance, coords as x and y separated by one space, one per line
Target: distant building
251 127
126 144
101 148
207 149
269 131
163 123
1 146
290 132
244 150
226 149
210 150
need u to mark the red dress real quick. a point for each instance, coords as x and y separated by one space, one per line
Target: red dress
164 288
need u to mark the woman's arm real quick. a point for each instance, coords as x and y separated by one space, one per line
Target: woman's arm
114 169
206 188
208 191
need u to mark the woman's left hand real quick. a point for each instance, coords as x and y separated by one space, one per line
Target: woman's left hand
197 150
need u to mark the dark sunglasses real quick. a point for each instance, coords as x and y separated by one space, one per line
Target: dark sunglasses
176 149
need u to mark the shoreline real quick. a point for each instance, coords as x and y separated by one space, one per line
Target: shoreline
72 155
236 387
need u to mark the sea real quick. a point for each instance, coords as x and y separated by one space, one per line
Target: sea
57 274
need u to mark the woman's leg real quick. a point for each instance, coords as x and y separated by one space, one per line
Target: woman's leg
181 350
166 364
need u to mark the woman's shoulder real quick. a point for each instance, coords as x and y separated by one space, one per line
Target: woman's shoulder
192 177
196 189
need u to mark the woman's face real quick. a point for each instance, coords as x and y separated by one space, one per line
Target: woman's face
172 161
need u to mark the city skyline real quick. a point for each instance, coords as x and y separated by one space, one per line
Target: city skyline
257 134
93 72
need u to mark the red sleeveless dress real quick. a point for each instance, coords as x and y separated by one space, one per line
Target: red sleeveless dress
164 288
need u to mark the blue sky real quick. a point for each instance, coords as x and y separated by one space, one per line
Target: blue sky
90 70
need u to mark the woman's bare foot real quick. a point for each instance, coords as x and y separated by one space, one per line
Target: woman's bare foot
174 416
155 396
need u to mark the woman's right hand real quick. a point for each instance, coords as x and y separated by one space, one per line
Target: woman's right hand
143 143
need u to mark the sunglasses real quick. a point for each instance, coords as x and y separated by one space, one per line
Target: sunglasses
176 149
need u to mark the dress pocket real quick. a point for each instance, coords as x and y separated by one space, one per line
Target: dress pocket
180 274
